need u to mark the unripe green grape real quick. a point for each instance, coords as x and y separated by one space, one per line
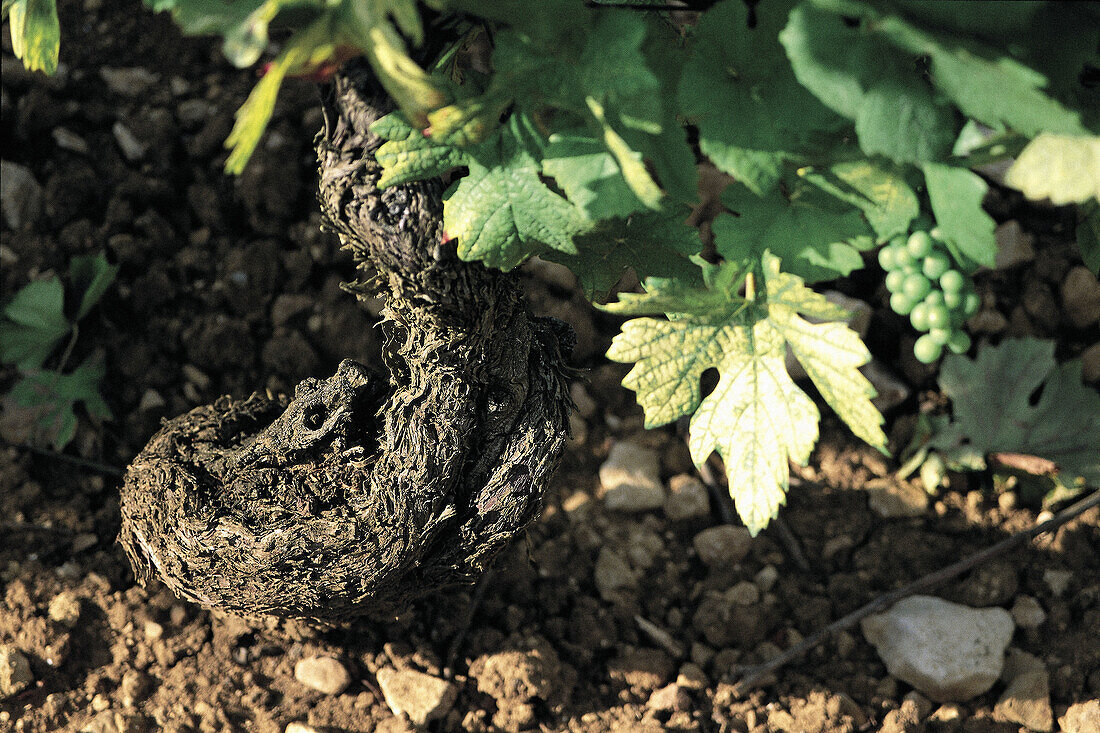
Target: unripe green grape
887 258
919 316
916 286
937 233
935 265
959 343
919 244
939 317
926 349
952 299
902 259
971 304
934 298
952 281
940 335
900 304
894 280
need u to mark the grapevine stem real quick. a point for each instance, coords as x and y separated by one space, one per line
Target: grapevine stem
749 675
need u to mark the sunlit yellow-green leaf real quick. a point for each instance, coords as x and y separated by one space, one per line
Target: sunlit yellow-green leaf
1062 168
35 33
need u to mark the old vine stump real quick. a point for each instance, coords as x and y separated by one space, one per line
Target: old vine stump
367 489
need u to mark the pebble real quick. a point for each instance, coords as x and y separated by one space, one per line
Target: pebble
670 697
1014 245
1026 699
84 541
68 140
1081 297
947 651
687 499
1057 580
612 574
1027 613
15 671
153 630
65 609
989 321
420 696
631 479
1082 717
722 546
193 112
324 674
151 401
766 578
744 594
299 728
891 499
128 82
131 147
20 195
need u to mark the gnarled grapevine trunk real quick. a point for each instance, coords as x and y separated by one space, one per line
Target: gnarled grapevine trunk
367 490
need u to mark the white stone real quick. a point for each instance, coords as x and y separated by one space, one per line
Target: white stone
947 651
15 672
1026 699
1082 717
68 140
65 609
132 149
324 674
20 195
1027 613
631 478
723 545
299 728
687 499
420 696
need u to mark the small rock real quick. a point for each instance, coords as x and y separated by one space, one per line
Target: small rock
1081 297
890 498
1027 613
765 579
15 672
1014 245
195 376
612 574
744 594
153 630
324 674
129 82
177 614
68 140
20 195
299 728
131 147
631 479
520 675
1090 364
921 703
1026 701
687 499
151 401
420 696
1082 717
84 541
891 390
100 703
194 112
692 677
1057 581
722 546
65 609
670 697
989 321
644 669
945 650
135 686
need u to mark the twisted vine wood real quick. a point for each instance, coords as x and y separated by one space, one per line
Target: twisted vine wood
367 489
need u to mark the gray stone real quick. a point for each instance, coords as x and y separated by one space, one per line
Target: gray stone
1027 613
15 672
890 498
1057 581
612 575
687 498
128 82
194 112
324 674
1026 699
132 148
947 651
766 578
744 594
631 479
1081 297
1014 245
1082 717
420 696
722 546
20 195
68 140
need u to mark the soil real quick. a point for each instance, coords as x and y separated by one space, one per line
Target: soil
228 286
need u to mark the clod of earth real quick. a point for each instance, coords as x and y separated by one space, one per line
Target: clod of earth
366 490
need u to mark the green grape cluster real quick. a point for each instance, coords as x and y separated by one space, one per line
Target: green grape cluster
924 286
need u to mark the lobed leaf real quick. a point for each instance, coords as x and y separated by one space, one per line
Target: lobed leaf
956 196
1062 168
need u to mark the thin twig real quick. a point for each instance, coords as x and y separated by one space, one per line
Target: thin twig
750 675
790 541
104 468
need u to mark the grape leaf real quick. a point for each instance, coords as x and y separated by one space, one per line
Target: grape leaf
35 33
49 399
738 87
33 324
879 191
502 212
1061 168
992 410
956 196
409 155
589 175
91 275
654 244
860 75
756 417
814 243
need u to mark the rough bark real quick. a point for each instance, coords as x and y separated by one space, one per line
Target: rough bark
367 490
